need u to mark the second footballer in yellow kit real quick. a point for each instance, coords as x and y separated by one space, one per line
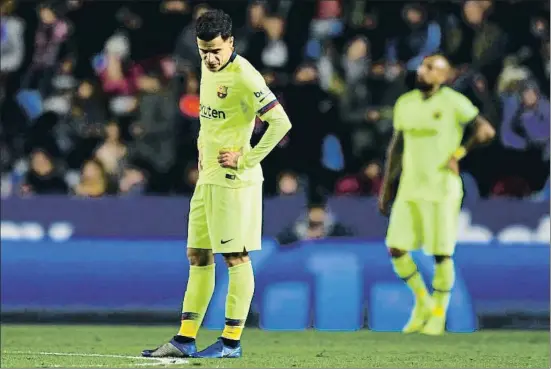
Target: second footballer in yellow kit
429 124
225 214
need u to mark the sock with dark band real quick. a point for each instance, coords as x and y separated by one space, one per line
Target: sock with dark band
238 302
444 279
406 269
200 287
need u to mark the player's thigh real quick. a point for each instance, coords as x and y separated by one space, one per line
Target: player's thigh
440 222
404 230
198 230
235 219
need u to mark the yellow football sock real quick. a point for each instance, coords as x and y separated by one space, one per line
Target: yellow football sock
444 278
405 268
200 287
238 300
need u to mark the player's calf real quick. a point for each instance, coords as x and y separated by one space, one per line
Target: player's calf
238 302
200 288
407 270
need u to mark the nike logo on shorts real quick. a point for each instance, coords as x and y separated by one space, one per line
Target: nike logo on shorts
226 241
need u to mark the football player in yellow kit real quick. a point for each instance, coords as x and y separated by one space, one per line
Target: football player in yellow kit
428 129
225 215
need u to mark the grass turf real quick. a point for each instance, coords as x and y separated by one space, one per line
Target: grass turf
34 346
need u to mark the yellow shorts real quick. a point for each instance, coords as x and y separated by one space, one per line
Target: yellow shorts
225 220
427 224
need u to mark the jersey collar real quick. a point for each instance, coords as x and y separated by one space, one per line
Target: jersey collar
232 58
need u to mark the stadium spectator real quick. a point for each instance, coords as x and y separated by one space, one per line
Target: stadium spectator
52 42
153 147
12 46
112 152
356 99
133 182
94 181
489 42
307 136
43 178
288 184
185 53
514 187
367 183
63 85
118 73
421 38
274 53
246 35
84 125
319 222
526 120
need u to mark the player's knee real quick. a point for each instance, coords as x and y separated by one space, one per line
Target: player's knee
438 259
200 257
235 258
395 253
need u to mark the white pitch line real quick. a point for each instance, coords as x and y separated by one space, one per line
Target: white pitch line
153 360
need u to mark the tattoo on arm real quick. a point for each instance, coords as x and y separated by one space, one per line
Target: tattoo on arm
483 133
393 163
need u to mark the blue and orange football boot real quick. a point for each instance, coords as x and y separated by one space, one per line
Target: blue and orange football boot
218 350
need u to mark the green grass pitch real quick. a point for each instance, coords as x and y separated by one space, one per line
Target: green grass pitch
85 346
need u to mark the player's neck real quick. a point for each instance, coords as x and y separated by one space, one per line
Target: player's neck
431 92
232 57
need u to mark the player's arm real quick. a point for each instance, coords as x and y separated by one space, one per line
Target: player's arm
393 163
482 132
199 148
268 109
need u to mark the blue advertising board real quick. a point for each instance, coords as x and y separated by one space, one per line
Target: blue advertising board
343 284
165 218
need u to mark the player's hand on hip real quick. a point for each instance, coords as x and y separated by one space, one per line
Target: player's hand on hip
228 159
453 165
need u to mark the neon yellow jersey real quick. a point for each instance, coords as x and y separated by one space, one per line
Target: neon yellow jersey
432 129
230 99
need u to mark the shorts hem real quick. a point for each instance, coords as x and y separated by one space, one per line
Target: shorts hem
198 247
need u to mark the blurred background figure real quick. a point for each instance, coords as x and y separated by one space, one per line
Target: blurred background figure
94 180
12 46
318 223
52 43
43 177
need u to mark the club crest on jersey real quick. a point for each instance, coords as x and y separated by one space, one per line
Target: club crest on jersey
437 115
222 92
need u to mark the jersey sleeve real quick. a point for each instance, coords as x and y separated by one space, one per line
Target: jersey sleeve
465 110
259 95
267 108
397 119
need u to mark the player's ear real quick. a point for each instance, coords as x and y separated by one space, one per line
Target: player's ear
231 39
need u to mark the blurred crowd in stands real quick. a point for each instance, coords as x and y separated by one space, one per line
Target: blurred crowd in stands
101 98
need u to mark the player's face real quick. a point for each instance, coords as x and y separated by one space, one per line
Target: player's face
432 72
216 52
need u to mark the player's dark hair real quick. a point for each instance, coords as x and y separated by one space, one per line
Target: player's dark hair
212 24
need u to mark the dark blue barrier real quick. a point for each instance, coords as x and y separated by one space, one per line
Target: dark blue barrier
165 218
336 285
